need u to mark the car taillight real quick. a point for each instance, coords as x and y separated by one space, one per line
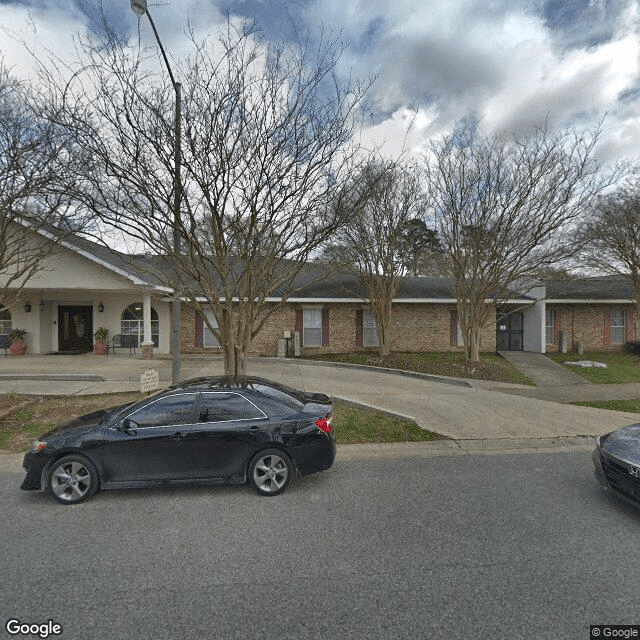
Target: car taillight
38 445
324 424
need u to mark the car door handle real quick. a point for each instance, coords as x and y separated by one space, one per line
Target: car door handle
177 436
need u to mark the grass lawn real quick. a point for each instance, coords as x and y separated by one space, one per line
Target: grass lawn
630 406
449 363
356 426
621 367
24 418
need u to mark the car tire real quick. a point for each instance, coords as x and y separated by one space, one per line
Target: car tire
72 479
270 472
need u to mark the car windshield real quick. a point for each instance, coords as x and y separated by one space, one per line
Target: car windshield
116 411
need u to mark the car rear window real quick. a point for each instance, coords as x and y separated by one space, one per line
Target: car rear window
280 394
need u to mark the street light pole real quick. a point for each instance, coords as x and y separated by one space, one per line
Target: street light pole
140 8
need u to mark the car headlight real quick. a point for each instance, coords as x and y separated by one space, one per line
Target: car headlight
38 445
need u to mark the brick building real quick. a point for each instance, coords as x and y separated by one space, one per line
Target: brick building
84 286
599 312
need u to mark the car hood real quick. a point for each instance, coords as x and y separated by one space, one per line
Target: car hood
77 425
623 443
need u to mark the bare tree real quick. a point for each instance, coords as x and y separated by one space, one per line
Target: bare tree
382 200
611 237
507 208
33 156
267 140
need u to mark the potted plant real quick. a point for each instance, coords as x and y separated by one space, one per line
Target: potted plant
18 342
100 344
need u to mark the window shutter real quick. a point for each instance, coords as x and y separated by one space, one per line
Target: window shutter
358 327
300 326
630 326
558 327
325 327
199 333
453 328
606 334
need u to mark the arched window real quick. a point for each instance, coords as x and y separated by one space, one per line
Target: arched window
5 321
132 323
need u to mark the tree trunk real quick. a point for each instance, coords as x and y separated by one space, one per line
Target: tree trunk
474 345
384 349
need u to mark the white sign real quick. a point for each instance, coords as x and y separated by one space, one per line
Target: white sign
149 380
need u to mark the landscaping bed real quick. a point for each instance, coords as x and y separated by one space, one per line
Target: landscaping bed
451 363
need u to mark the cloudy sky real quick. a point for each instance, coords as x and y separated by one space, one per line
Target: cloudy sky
509 62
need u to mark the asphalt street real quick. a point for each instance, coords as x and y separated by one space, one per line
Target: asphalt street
517 546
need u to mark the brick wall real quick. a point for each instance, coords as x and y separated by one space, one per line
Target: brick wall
586 324
414 327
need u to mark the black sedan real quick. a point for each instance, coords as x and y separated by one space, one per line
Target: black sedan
617 463
200 431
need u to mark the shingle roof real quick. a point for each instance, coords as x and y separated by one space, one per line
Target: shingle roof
317 281
591 289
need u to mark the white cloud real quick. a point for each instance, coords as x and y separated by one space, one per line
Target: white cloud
510 62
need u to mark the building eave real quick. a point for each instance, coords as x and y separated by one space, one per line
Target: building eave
590 301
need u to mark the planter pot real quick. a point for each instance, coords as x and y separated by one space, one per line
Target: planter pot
18 348
100 348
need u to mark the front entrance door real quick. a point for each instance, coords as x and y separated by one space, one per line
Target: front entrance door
75 329
510 332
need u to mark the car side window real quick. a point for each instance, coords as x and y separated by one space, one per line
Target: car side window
224 407
167 411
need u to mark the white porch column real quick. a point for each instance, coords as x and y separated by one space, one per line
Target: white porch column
535 321
147 342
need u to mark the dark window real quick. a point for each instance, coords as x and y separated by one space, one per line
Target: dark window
5 321
168 411
223 407
291 397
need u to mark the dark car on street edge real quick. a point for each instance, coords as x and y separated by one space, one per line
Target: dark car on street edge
202 431
617 463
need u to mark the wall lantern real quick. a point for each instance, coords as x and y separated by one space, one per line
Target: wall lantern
100 308
27 307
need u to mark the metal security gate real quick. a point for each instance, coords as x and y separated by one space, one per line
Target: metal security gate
510 332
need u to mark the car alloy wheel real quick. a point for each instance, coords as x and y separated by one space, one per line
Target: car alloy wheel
270 472
72 479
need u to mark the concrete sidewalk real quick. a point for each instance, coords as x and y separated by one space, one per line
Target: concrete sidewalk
542 370
459 409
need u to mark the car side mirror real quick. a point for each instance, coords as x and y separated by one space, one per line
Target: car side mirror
129 427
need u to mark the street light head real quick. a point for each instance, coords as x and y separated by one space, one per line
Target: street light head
139 6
